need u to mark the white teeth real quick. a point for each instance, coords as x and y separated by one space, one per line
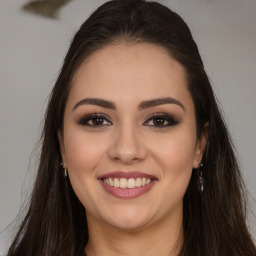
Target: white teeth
111 182
127 183
138 182
131 183
123 183
116 182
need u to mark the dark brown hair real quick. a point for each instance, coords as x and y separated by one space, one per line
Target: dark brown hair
214 223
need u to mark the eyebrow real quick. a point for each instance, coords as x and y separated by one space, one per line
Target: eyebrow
160 101
97 102
143 105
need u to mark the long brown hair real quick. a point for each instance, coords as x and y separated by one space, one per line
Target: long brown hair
214 222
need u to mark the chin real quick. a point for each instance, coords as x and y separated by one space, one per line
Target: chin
130 225
130 220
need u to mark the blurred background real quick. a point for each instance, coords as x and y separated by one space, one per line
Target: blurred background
32 48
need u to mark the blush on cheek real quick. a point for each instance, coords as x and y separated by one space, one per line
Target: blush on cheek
80 149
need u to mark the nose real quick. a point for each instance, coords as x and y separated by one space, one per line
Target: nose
127 147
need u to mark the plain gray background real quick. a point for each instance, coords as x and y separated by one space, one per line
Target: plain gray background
31 52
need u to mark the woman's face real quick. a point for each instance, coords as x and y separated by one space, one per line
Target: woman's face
129 139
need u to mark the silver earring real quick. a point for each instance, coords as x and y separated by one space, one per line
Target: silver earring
200 178
65 169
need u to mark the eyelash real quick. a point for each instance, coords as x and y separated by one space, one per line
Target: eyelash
171 121
85 120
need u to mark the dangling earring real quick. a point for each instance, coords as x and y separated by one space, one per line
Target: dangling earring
200 178
65 169
65 172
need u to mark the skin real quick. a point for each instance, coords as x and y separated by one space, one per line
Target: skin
128 140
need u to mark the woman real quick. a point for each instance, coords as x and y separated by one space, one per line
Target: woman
136 158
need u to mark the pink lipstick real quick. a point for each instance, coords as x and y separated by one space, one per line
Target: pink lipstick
127 184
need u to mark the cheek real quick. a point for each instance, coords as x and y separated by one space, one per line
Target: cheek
175 154
175 151
83 151
83 155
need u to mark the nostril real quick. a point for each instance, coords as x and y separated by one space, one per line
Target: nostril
127 149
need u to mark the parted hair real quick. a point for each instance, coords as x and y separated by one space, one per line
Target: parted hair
214 222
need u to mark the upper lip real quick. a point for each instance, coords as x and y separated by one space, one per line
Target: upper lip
126 175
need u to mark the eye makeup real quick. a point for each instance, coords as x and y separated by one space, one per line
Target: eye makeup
161 120
95 120
156 120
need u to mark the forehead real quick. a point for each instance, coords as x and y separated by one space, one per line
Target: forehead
131 71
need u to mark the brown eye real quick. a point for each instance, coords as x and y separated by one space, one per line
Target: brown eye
160 120
95 120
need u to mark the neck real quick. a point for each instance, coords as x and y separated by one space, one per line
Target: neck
162 238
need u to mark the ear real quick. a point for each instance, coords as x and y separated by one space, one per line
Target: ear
200 147
61 143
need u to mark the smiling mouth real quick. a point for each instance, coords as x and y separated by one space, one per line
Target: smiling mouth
127 183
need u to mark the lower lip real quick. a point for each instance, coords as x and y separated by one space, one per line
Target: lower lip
128 193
